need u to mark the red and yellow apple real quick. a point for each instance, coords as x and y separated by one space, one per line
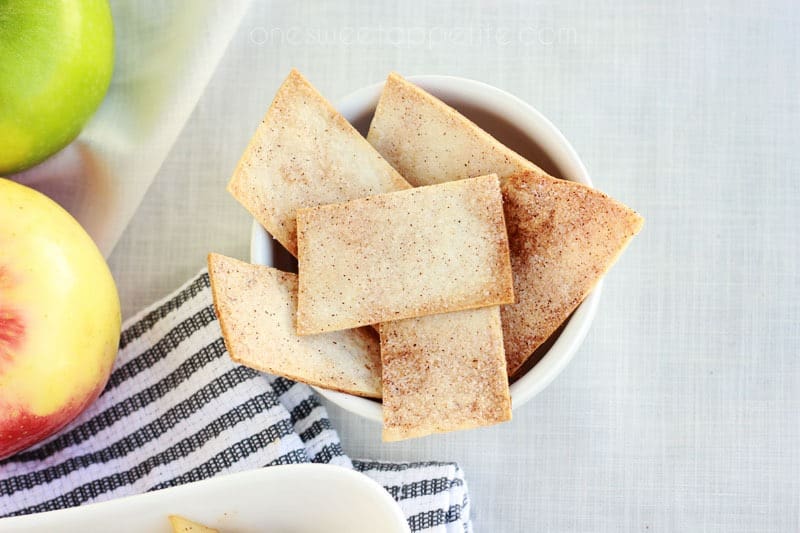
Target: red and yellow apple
59 318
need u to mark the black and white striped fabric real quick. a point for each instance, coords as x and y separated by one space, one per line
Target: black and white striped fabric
177 410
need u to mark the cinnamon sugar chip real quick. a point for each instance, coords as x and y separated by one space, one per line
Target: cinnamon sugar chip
304 153
256 306
457 382
400 255
564 238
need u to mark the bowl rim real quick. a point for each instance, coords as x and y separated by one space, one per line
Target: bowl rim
534 124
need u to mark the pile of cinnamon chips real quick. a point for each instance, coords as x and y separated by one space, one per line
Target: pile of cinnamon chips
461 253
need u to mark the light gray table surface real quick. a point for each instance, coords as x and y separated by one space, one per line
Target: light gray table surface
681 411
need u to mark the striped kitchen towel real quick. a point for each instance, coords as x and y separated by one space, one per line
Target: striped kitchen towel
177 410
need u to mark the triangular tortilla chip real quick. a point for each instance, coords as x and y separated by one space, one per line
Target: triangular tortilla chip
304 153
564 237
457 382
551 277
401 255
256 306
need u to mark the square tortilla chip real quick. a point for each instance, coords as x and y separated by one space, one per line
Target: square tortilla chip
256 306
304 153
458 382
401 255
564 236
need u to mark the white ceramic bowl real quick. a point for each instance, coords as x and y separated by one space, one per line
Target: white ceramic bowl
522 128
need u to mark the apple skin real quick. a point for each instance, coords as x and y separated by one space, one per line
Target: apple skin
56 61
59 318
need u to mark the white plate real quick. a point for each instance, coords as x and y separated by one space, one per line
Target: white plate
304 498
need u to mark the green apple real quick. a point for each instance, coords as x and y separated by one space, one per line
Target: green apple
56 60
